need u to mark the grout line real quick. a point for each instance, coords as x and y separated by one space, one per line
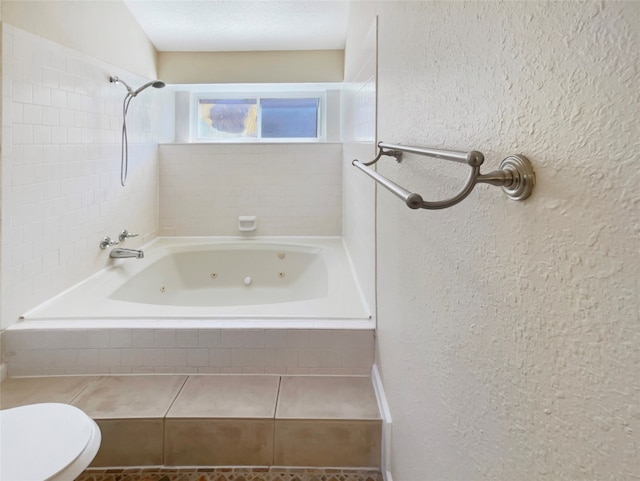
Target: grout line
275 411
164 419
273 453
187 376
84 388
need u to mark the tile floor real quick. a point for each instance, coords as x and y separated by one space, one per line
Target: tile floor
220 420
233 474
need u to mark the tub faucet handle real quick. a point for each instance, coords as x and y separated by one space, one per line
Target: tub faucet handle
125 234
107 242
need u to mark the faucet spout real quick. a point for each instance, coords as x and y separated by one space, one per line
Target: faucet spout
120 253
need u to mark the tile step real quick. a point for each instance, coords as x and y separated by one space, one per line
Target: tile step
219 420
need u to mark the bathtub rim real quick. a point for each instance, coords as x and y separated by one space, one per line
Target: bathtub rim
192 324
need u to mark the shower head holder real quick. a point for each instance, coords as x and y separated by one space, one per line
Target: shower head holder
116 80
158 84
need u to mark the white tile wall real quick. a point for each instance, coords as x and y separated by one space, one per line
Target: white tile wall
60 168
61 194
104 351
359 137
293 189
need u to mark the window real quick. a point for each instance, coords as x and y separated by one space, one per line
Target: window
227 118
289 118
266 118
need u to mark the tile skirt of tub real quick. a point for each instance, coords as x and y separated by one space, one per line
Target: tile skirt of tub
42 352
230 474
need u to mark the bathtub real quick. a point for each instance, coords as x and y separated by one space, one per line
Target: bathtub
202 282
205 305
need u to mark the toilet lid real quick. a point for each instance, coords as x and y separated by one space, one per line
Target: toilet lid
40 440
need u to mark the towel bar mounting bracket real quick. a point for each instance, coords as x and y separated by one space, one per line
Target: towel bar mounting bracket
523 177
397 154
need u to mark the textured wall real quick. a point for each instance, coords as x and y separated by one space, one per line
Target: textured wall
61 188
509 333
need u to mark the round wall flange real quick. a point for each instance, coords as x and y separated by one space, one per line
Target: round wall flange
523 180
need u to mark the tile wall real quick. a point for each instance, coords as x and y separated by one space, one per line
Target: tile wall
61 188
61 194
359 135
293 189
186 351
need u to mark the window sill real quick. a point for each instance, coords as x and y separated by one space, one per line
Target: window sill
279 142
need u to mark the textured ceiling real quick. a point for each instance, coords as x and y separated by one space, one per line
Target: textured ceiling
238 25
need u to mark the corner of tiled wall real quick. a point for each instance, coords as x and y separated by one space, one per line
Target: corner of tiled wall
3 365
359 135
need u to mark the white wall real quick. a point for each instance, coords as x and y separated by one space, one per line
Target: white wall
358 135
3 366
288 66
104 29
509 332
293 189
61 188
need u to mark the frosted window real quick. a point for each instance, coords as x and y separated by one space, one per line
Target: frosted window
227 118
256 118
289 118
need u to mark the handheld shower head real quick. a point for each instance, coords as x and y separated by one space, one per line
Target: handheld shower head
124 153
158 84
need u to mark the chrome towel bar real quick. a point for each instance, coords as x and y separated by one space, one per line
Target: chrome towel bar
516 176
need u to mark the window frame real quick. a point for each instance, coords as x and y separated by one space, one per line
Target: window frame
321 95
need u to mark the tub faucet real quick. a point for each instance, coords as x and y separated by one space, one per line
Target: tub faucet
120 253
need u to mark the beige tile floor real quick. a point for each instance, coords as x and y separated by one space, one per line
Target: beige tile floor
327 421
318 397
219 420
227 397
129 397
222 420
54 389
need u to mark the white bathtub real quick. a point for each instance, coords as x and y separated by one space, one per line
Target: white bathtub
185 308
202 281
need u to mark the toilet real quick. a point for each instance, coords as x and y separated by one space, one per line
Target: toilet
49 441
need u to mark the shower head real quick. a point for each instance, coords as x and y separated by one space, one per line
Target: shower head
158 84
154 83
